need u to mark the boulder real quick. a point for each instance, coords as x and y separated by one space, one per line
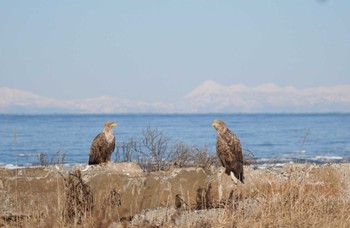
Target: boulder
121 189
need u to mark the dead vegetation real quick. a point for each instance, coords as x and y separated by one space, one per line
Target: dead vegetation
153 152
306 196
57 158
204 198
294 196
79 200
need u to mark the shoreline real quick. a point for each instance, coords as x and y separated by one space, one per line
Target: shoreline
260 163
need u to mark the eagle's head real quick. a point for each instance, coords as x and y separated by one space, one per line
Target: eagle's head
219 125
109 125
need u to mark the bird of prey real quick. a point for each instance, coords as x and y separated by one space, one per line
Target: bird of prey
229 150
103 145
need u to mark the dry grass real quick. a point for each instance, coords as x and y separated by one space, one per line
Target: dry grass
306 197
302 197
79 200
295 196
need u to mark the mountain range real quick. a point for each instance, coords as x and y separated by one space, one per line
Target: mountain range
209 97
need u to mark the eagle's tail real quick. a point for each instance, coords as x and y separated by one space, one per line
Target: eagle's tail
234 176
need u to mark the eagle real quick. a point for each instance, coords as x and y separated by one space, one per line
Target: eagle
229 150
103 145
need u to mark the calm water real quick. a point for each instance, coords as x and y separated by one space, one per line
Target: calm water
267 136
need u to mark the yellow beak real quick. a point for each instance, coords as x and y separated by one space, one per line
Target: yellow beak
114 125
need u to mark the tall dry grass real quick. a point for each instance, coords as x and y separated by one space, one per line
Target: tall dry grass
295 196
305 196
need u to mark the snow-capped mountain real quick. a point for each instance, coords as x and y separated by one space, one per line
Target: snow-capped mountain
210 96
14 100
213 97
17 101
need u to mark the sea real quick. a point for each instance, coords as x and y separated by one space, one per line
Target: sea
271 139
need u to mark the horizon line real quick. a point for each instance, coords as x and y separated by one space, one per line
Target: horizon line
177 113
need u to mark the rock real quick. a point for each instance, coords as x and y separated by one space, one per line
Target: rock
123 187
119 193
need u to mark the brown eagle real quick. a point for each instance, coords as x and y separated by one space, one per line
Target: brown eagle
229 150
103 145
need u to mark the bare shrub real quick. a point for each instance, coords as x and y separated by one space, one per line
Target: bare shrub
150 150
153 149
79 199
183 155
154 153
203 159
248 157
57 158
125 151
43 159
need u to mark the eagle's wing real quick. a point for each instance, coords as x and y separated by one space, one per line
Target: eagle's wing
223 150
226 149
229 150
235 146
97 150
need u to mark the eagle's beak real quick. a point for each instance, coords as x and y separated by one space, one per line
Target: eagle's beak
114 125
213 125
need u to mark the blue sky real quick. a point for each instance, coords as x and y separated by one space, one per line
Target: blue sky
161 50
